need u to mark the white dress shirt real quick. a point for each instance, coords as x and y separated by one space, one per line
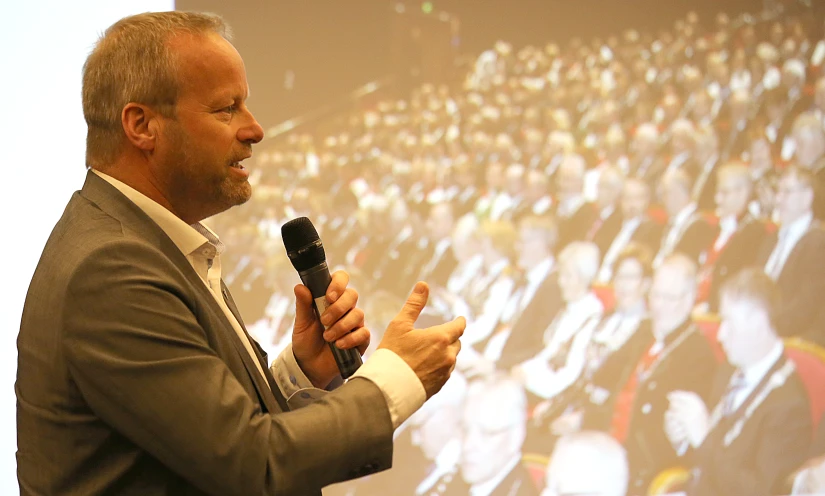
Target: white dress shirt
727 226
487 488
445 462
619 242
789 236
754 374
399 384
677 228
577 321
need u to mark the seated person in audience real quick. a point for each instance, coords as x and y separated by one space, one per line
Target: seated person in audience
573 214
809 141
608 218
740 234
679 357
532 306
636 226
687 231
794 258
494 417
619 341
485 297
759 427
587 463
559 363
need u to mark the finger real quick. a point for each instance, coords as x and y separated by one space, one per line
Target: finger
356 339
351 320
304 314
344 304
337 286
453 329
415 303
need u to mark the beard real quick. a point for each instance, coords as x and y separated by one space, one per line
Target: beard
198 179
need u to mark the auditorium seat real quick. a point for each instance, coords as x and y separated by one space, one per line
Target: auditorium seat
809 359
669 481
536 465
605 293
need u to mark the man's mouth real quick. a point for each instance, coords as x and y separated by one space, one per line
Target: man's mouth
236 165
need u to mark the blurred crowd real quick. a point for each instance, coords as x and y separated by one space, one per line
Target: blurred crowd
631 227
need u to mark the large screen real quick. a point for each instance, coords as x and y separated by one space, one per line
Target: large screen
629 221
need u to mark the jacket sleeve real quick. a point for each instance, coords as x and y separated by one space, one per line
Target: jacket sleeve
144 365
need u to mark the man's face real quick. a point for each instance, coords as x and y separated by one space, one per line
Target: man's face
197 151
736 330
532 247
793 199
670 300
629 283
440 222
635 200
731 197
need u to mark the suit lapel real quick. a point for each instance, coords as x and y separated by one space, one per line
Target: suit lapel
260 354
112 201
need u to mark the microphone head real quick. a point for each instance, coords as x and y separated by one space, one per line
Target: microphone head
303 245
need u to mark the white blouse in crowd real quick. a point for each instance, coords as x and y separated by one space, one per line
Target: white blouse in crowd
577 321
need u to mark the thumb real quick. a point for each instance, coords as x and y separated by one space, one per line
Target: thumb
414 304
304 314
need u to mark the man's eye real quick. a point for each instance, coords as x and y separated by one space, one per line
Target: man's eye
229 110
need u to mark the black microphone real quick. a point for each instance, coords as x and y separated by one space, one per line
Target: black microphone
306 252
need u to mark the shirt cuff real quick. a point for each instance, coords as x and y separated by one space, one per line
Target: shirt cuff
401 387
293 383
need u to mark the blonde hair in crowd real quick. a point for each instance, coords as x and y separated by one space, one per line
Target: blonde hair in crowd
132 62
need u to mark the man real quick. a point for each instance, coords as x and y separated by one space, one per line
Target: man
537 302
678 358
645 162
558 363
494 418
608 221
759 428
573 213
733 249
135 372
588 462
809 140
636 227
793 258
687 231
439 261
707 159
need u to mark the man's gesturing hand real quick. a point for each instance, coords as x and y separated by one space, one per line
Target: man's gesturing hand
430 352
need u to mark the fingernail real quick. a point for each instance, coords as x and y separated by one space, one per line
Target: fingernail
327 336
419 288
333 296
326 320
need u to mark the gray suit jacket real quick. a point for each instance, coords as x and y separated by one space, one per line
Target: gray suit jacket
131 380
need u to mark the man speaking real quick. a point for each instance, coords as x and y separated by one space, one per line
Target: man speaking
135 372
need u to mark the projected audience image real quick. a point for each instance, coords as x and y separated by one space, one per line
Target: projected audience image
631 225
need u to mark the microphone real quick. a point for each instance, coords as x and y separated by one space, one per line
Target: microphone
306 252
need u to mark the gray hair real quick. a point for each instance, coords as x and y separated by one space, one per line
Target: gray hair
583 256
132 62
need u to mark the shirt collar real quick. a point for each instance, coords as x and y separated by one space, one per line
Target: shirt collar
540 271
753 375
800 225
487 488
684 214
187 238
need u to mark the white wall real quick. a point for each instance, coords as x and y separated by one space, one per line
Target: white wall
43 44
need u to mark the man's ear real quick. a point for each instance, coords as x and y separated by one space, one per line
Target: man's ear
139 124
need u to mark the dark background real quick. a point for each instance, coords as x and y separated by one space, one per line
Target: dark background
333 47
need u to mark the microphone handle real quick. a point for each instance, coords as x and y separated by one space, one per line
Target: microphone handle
318 279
